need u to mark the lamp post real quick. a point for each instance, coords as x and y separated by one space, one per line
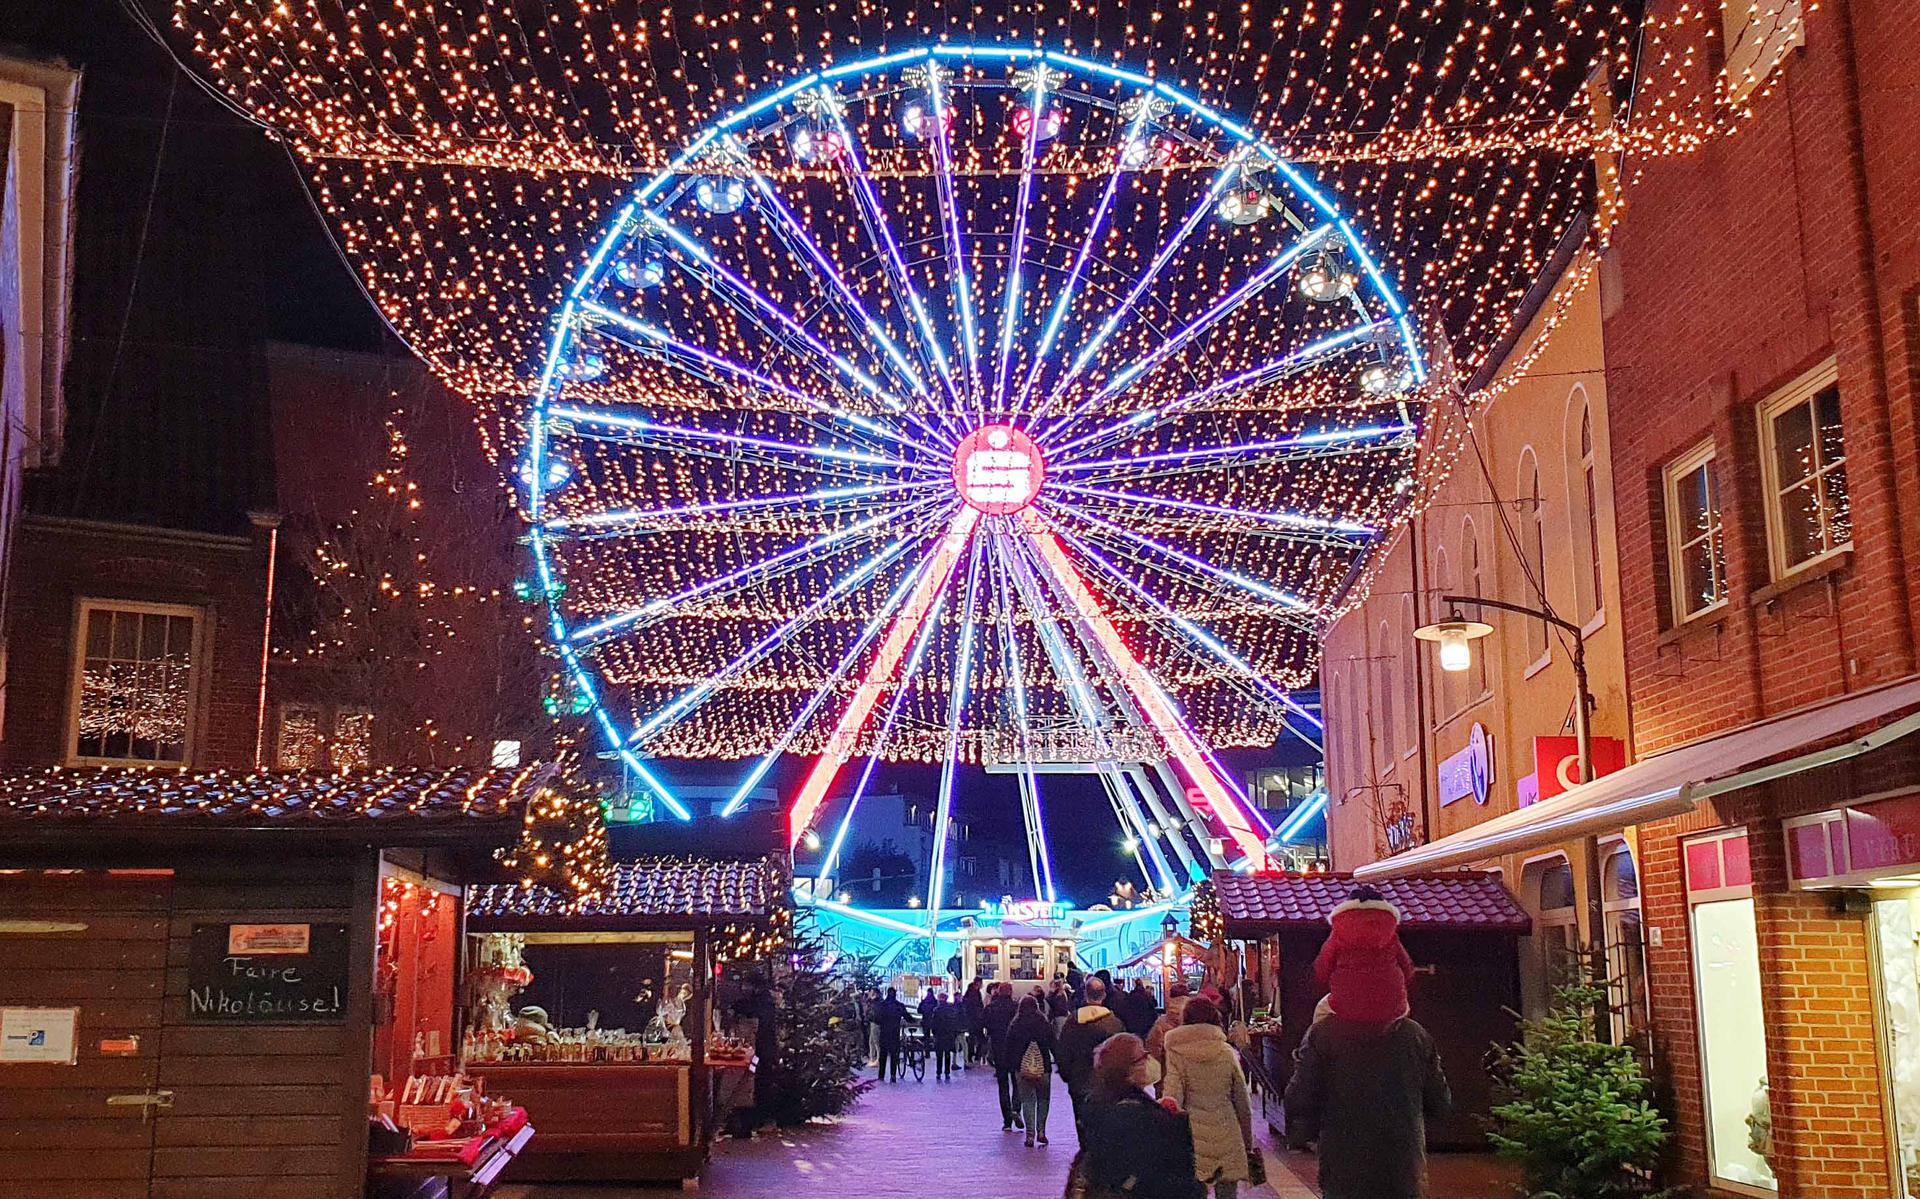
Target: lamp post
1455 636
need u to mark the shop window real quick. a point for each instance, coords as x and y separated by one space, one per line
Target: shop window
1027 963
135 683
1546 888
1758 35
1897 956
1626 943
1696 545
1733 1037
1803 459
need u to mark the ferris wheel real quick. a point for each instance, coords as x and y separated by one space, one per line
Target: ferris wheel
968 405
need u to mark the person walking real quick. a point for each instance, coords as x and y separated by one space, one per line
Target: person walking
998 1018
943 1025
1091 1025
869 1007
1130 1145
1365 1096
1059 1004
890 1014
1030 1049
1203 1079
973 1010
1139 1010
1177 1000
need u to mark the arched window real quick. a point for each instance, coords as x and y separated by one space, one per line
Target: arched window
1387 722
1474 583
1533 547
1583 501
1410 684
1446 684
1546 890
1626 949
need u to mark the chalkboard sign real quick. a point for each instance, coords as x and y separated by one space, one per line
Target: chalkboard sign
300 980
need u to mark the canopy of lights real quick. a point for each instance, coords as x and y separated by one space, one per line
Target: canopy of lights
1015 387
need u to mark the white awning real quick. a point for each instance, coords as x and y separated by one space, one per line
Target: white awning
1671 782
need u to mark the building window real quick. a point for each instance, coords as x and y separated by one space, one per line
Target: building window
1696 545
1758 34
135 679
309 740
1384 660
1804 460
1533 545
1733 1034
1410 723
1626 946
1587 536
1470 562
1546 886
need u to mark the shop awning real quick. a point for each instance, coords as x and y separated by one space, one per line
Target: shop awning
1675 781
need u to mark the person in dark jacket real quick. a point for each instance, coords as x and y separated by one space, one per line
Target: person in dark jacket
973 1010
944 1026
998 1018
1137 1011
1366 1098
1131 1145
928 1003
1091 1025
890 1014
1031 1035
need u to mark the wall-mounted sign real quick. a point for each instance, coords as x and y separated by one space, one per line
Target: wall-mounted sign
265 939
275 985
1026 911
1556 761
39 1034
1469 772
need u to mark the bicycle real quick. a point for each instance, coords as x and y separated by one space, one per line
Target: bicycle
915 1044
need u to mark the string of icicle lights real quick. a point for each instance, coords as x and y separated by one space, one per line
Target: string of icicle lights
744 411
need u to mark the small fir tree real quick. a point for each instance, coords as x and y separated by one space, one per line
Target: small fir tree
1576 1113
822 1048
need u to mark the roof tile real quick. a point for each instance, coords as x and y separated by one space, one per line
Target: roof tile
648 888
1255 904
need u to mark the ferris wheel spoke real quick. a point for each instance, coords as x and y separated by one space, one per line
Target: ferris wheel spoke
621 521
689 700
1218 311
1306 528
956 710
871 630
1063 301
790 454
656 342
783 562
791 231
1330 444
1010 301
1147 419
907 299
1221 574
957 276
1023 723
1057 390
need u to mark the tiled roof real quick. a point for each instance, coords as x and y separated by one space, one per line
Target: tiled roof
1255 904
140 799
652 888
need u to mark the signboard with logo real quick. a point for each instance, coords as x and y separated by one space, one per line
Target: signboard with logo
1469 772
267 974
1556 762
1026 911
39 1034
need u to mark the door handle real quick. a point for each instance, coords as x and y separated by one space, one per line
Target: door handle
147 1101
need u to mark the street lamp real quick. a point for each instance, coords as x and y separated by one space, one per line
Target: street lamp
1455 636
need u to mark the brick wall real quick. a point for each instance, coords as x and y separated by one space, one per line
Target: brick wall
59 562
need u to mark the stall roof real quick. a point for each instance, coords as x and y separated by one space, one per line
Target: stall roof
392 805
1258 904
656 890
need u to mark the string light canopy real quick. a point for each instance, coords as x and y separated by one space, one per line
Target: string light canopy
977 387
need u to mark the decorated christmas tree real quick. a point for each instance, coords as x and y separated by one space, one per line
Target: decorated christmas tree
822 1046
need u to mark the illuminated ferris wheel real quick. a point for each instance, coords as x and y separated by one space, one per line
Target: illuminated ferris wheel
968 405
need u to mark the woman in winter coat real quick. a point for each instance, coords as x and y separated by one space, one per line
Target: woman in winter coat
1030 1052
1177 999
1203 1079
1131 1146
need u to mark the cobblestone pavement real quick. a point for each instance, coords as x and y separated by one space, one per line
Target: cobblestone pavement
914 1139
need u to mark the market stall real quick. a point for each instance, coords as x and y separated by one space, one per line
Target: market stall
600 1019
1173 958
1020 943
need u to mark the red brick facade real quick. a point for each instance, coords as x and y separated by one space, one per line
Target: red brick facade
58 563
1735 271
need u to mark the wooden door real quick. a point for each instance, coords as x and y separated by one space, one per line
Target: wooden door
95 941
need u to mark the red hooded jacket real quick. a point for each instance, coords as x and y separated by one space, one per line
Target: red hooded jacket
1363 965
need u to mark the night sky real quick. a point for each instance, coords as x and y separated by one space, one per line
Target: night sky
196 242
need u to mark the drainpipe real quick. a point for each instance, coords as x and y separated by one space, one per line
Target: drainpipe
270 521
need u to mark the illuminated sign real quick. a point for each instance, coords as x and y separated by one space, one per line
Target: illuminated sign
1469 772
998 469
1025 911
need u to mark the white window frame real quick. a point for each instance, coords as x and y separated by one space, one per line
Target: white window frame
1801 391
1741 73
1583 493
1533 546
196 672
1612 908
1705 455
1547 928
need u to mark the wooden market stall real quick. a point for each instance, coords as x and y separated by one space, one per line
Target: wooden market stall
195 955
601 1020
1462 929
1173 958
1010 949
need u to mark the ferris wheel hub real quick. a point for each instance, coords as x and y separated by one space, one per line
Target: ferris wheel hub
998 469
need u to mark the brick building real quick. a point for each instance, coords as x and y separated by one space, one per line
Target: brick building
1761 332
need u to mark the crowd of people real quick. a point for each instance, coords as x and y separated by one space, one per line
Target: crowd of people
1159 1097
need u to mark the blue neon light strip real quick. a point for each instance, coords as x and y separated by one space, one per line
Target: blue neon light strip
1301 817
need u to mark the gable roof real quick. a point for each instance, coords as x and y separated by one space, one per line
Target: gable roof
1257 904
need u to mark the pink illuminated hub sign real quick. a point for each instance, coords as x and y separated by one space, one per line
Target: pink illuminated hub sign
998 469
